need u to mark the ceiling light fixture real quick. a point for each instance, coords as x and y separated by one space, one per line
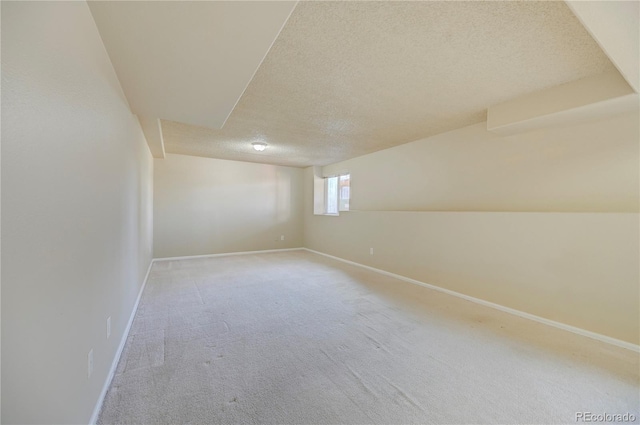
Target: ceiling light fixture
259 146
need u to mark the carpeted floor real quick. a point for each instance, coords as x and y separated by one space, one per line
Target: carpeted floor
297 338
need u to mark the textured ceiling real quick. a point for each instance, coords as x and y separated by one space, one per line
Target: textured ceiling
348 78
166 52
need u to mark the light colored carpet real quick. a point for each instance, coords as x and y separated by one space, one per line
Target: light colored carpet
297 338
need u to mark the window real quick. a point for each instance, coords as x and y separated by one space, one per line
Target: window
331 194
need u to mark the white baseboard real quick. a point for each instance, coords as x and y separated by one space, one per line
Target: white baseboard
116 359
579 331
226 254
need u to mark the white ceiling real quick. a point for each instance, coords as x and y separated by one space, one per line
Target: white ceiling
187 61
343 78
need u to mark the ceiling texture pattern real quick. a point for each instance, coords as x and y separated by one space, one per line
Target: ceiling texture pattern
165 53
343 79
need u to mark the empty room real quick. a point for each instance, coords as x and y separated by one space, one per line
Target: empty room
318 212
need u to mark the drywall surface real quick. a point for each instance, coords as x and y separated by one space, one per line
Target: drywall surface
580 269
523 222
614 26
210 206
590 167
76 212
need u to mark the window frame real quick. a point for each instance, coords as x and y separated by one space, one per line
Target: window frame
321 195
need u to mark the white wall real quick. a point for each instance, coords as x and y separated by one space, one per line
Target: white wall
76 212
545 222
590 167
210 206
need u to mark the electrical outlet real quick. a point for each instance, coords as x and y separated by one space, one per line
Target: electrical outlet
370 251
90 363
108 327
281 237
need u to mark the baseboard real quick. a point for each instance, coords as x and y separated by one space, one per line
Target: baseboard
226 254
573 329
116 359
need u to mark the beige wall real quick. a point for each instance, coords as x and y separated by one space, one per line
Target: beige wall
544 222
590 167
76 212
210 206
